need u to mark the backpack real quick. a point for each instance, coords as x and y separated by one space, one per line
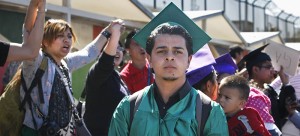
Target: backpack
203 108
12 112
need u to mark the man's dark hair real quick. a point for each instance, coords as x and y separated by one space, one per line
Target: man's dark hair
172 30
236 82
258 64
129 37
201 84
235 50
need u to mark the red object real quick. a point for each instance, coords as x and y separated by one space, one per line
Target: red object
136 79
96 30
250 116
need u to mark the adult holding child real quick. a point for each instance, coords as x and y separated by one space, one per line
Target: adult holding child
264 98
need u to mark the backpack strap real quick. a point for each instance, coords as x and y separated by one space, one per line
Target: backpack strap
80 103
135 100
36 81
203 108
37 78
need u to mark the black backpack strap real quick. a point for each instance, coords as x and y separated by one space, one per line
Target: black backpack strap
135 100
203 108
37 77
36 81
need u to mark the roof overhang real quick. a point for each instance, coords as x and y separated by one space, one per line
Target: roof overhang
217 25
295 46
134 14
257 39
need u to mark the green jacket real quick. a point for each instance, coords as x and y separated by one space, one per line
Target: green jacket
179 120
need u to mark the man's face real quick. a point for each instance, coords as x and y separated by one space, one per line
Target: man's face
136 52
265 72
169 57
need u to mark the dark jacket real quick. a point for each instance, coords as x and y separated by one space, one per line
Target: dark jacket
271 93
104 90
4 48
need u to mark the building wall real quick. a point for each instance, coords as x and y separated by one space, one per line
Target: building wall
11 25
84 32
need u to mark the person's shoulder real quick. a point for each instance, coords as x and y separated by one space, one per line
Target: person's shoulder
250 110
251 113
254 92
4 44
125 70
216 108
124 103
215 104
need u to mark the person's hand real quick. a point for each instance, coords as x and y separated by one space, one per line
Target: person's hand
117 26
283 77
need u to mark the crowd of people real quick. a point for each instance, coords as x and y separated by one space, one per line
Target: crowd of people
172 84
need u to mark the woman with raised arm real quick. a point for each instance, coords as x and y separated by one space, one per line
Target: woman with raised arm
48 106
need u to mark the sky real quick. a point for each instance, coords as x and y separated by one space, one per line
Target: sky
289 6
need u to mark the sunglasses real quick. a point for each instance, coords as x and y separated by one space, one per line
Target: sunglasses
267 67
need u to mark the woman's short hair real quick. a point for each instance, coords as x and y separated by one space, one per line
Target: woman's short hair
53 27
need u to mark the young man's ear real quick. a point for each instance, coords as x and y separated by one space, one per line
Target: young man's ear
208 84
190 58
189 61
255 69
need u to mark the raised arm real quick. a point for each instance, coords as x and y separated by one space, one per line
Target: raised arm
32 33
103 68
113 43
90 52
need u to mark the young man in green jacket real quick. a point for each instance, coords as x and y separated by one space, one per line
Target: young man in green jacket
168 106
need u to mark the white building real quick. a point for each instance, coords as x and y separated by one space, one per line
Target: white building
247 15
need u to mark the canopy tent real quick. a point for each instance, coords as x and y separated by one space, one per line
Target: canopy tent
295 46
255 40
216 25
223 32
124 9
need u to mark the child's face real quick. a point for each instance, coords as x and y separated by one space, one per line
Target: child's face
230 100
